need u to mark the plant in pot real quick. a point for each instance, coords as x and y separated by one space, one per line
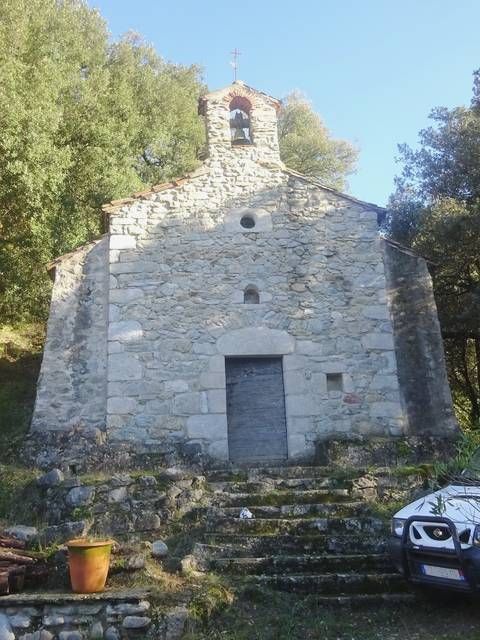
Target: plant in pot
88 562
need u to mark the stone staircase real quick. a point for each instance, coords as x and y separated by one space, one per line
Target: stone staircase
312 532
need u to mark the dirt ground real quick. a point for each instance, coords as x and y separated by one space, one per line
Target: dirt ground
274 616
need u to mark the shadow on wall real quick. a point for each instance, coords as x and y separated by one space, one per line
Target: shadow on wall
424 386
72 382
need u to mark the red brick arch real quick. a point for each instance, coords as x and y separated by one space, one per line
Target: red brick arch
242 103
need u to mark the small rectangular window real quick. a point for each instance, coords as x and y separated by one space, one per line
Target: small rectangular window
334 382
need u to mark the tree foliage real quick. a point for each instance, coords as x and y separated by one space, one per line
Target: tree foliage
436 209
307 146
82 121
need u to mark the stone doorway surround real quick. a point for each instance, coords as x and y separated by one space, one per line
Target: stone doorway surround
254 342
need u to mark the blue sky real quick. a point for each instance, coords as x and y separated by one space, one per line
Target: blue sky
373 69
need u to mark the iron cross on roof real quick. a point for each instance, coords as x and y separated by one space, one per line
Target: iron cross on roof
235 53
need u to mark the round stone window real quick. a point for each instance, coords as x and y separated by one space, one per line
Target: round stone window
247 222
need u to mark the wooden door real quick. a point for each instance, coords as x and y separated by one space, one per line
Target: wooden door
257 428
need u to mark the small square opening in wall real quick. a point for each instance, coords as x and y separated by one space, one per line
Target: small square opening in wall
334 381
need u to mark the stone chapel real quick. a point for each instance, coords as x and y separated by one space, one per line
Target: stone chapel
243 313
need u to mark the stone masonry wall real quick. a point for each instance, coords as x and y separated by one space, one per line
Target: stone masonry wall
123 506
72 383
109 616
179 262
418 344
263 118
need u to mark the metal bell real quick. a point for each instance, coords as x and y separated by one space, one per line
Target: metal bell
239 125
239 136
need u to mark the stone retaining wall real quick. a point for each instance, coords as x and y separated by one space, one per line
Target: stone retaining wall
386 452
106 616
124 506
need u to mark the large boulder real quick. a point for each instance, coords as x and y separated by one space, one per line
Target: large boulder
159 549
51 479
22 532
80 496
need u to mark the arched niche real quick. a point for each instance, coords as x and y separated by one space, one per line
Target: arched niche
240 126
251 295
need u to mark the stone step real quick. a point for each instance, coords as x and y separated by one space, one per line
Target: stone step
291 472
278 498
364 600
235 545
271 484
298 526
337 584
323 510
360 600
325 563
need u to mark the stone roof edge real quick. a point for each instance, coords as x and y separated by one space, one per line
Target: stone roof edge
407 250
276 101
318 183
51 266
115 205
238 84
367 205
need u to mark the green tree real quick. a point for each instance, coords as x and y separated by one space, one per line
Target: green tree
82 121
307 146
436 209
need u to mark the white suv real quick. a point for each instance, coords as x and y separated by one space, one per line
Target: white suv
435 540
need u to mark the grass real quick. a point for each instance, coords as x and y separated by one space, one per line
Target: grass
281 616
18 495
385 510
466 446
423 471
211 599
153 577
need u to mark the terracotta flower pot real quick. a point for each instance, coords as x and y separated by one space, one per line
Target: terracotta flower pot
88 561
